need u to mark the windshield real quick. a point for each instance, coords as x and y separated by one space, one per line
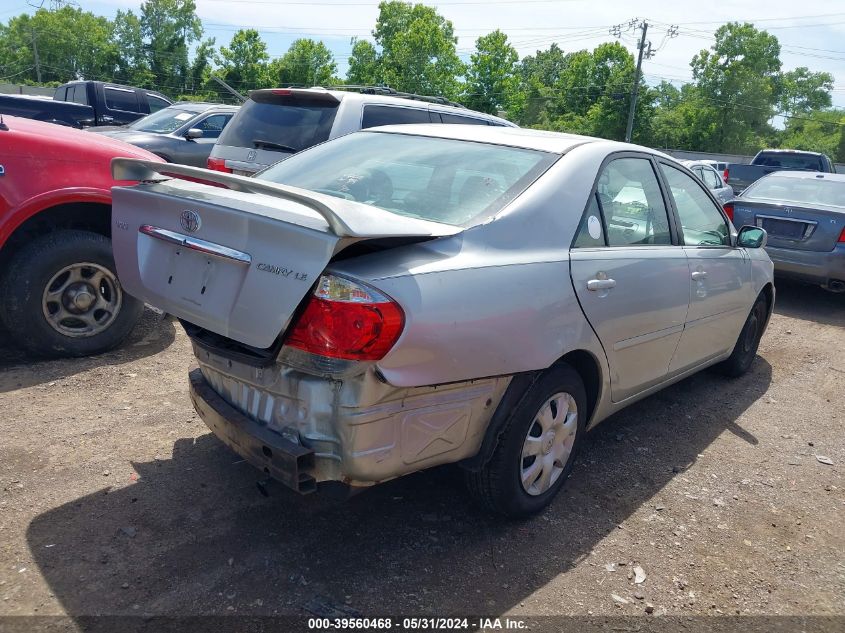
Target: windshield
790 161
164 121
810 191
285 125
444 180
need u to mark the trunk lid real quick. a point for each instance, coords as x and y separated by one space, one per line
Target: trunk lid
793 226
236 260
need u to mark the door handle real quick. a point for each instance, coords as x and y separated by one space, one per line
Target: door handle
698 275
600 284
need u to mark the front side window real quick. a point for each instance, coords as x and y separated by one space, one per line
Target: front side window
630 200
446 180
212 126
702 223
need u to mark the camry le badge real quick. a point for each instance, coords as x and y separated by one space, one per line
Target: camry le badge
190 221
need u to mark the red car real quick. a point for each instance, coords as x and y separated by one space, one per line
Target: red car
59 294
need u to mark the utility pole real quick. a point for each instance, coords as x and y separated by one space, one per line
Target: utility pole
35 52
636 88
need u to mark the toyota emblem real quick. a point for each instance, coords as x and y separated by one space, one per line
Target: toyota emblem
190 221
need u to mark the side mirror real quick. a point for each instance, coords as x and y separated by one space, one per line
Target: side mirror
193 133
752 237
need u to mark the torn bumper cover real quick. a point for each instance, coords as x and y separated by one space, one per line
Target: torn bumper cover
284 460
358 430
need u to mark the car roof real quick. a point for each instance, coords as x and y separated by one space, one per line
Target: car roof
397 100
808 175
698 163
201 106
542 140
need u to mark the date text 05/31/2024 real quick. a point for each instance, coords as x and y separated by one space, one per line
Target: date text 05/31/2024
416 624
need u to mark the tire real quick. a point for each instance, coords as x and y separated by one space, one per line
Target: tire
746 345
498 484
47 287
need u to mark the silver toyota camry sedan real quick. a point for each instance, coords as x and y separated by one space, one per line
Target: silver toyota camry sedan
411 296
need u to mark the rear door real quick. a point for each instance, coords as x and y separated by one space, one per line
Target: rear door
121 105
630 276
719 283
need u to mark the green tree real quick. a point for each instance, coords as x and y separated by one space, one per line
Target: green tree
802 90
71 43
243 64
818 131
364 68
417 50
739 78
492 83
306 63
132 66
169 28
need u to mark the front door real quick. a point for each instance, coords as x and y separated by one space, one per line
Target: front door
720 283
631 280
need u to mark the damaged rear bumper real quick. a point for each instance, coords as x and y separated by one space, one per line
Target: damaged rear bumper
358 430
282 459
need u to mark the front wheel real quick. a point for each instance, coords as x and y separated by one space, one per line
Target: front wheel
537 447
746 345
61 297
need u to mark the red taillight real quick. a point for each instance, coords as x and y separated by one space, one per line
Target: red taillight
284 92
841 239
725 176
347 320
217 164
729 210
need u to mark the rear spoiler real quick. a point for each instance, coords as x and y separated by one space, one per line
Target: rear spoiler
345 218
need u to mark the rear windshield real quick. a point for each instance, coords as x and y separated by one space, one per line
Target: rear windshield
445 180
164 121
790 161
810 191
286 126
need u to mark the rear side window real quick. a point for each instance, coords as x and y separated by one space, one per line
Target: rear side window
289 124
156 103
463 120
121 99
630 200
711 179
590 232
375 115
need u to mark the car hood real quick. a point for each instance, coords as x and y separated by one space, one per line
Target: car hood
132 136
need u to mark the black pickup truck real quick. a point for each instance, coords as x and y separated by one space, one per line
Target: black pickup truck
740 176
86 104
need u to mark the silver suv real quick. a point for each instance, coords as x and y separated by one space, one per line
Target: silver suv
275 123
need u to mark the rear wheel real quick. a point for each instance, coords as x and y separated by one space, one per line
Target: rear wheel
61 297
536 450
746 345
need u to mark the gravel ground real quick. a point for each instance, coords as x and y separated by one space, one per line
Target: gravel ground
115 499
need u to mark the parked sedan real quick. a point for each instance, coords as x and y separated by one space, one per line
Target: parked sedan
804 215
711 178
417 295
183 133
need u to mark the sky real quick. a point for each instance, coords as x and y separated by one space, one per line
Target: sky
812 37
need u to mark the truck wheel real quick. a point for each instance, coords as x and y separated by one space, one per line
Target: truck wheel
537 447
61 297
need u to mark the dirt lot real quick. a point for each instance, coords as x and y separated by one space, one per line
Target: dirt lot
115 499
